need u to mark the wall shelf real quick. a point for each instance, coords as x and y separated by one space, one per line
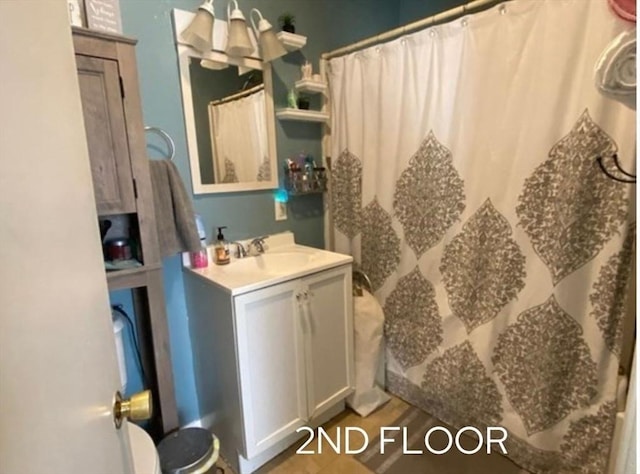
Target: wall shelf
302 115
311 87
129 278
291 41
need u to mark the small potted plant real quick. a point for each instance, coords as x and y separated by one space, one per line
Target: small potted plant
287 21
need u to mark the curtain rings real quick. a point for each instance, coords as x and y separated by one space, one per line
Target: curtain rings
464 21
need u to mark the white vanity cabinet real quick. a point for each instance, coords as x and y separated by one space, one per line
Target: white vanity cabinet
271 360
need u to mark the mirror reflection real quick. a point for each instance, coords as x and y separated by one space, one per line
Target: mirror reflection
230 120
228 115
230 124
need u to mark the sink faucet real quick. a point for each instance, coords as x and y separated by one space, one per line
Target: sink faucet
241 252
258 244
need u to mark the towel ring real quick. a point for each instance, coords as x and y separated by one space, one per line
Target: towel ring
166 137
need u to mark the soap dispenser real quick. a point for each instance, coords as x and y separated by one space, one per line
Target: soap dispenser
221 249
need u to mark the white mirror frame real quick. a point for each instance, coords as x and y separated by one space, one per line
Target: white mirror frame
181 19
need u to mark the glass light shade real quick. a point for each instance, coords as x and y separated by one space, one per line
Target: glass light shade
270 46
238 41
199 33
215 65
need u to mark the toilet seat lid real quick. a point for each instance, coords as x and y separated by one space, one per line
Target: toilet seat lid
145 455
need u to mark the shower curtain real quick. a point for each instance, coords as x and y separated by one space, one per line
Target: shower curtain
243 154
465 184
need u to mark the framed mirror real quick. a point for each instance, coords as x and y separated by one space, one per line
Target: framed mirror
228 115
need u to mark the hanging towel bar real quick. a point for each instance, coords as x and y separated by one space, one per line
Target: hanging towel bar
166 137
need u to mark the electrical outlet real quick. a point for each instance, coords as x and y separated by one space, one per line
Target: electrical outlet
281 210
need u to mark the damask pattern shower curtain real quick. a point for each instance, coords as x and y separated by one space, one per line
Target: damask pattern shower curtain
466 186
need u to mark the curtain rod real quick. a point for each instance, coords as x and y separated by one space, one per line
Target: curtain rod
238 95
410 27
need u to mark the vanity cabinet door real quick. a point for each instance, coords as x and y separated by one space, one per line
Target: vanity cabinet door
329 309
271 365
106 132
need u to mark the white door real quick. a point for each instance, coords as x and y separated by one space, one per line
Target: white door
58 371
271 360
330 315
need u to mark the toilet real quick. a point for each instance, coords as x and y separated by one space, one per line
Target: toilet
144 453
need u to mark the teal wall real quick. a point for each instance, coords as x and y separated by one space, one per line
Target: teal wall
328 24
413 10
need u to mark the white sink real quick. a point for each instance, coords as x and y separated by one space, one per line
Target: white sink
272 263
283 260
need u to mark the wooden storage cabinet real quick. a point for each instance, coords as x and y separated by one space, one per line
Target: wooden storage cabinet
278 358
108 81
105 127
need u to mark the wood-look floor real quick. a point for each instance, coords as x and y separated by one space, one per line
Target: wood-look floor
330 462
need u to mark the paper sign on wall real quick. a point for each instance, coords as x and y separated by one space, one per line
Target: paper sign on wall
103 15
76 13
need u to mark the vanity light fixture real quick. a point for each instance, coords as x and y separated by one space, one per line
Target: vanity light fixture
238 41
199 33
270 46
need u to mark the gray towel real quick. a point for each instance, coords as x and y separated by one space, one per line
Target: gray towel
175 217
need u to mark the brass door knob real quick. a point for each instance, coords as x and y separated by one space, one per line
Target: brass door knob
138 407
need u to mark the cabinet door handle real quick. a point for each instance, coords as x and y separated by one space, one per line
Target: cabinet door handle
301 312
307 312
305 308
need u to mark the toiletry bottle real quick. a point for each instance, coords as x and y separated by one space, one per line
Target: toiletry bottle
221 249
200 259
